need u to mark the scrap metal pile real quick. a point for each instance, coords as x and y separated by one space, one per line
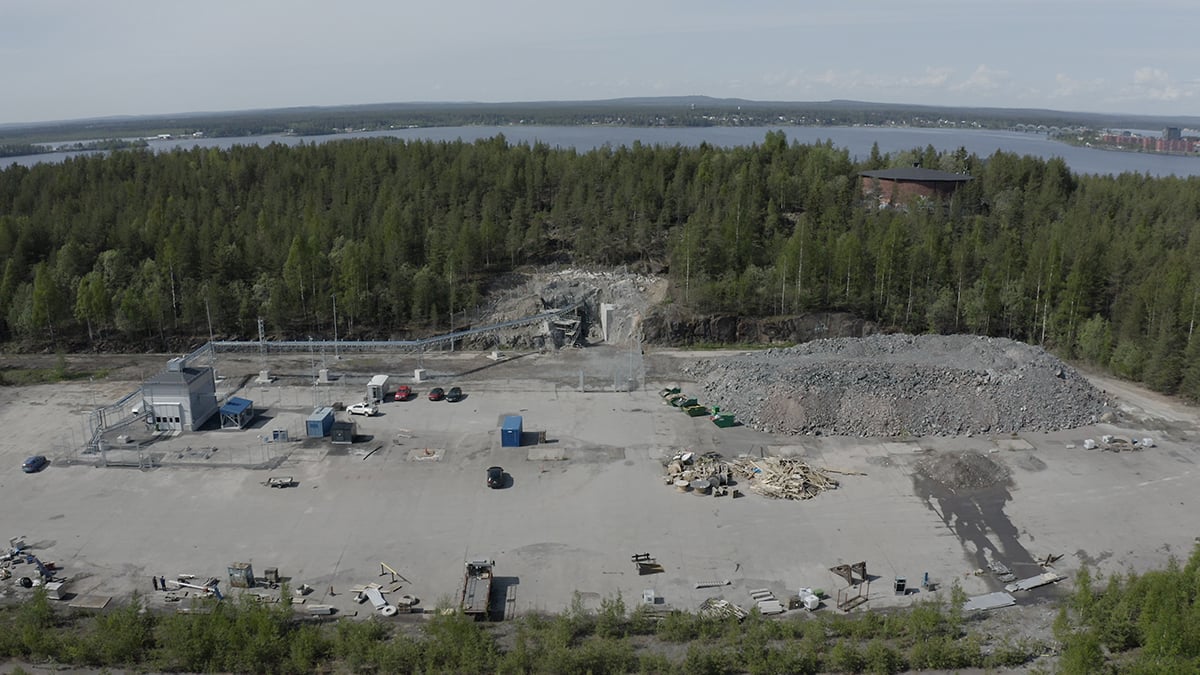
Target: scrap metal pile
774 477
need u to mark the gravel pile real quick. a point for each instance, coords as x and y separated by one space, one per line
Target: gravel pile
964 470
896 385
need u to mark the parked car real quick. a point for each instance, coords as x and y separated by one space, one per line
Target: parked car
495 477
367 409
437 394
403 392
454 395
35 464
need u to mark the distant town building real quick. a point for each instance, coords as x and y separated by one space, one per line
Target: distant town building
897 186
1172 141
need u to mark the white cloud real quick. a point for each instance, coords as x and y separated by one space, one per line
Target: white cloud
983 79
855 80
1155 84
1150 77
1066 86
933 77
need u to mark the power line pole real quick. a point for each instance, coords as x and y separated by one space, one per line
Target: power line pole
335 337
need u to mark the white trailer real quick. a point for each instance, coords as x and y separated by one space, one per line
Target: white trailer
377 389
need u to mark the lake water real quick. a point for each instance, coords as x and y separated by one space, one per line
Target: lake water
856 140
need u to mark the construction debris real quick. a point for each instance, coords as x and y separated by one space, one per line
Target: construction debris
766 601
775 477
1049 559
716 608
989 601
646 564
1117 444
1034 582
1003 574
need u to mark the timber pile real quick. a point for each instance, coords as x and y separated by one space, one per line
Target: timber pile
774 477
717 608
784 477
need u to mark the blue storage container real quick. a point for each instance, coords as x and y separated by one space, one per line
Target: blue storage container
319 423
510 432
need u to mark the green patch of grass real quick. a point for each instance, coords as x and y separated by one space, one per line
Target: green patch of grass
20 377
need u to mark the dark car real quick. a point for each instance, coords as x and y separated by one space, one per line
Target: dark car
495 477
454 395
35 464
437 394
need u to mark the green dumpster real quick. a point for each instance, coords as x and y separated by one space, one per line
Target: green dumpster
721 419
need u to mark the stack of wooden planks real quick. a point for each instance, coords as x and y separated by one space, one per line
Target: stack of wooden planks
783 477
775 477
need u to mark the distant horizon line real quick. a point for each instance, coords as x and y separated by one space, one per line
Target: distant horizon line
692 99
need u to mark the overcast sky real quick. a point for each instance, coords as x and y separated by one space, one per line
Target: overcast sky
69 59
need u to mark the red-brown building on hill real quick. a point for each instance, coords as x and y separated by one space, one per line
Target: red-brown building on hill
897 186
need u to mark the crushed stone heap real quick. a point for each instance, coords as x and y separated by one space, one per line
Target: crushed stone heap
898 385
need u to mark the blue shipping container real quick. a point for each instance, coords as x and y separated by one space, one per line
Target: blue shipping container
510 432
319 423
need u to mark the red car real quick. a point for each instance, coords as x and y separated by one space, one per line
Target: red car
403 392
437 394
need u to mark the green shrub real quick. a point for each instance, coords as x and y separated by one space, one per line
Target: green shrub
641 623
397 655
1081 655
455 642
1011 655
678 627
932 654
654 664
34 626
710 661
845 658
308 647
610 622
123 636
867 626
882 659
355 642
594 656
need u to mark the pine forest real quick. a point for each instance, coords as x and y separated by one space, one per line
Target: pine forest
135 249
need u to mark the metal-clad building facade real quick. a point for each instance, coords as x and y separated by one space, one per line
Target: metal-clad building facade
181 397
319 423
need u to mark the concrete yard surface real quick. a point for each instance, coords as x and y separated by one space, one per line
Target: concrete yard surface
411 493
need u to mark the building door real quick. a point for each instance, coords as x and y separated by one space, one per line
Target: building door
168 416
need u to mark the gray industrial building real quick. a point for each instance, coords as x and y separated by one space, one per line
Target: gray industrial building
181 397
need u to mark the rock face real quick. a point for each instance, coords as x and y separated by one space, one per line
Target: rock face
670 326
898 385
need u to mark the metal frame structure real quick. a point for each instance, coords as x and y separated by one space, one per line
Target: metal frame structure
373 345
119 414
858 585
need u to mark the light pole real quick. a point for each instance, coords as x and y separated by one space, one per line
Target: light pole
312 357
335 348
